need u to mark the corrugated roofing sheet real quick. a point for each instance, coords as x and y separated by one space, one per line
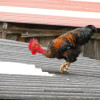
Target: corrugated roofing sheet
81 83
51 12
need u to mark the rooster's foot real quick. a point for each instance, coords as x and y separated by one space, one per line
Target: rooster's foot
65 65
61 69
66 70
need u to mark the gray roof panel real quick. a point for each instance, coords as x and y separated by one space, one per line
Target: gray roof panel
81 83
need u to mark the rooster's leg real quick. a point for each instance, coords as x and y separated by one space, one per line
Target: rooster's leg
66 66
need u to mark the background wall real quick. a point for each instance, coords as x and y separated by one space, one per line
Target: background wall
44 34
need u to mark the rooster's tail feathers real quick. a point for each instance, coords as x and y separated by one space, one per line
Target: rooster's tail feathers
85 34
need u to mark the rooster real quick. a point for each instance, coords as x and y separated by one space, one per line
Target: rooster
67 46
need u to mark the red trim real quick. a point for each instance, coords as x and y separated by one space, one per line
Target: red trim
51 4
54 4
51 20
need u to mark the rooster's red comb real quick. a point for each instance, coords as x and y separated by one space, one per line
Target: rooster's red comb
32 42
34 47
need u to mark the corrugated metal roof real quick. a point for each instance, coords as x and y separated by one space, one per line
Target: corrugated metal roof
82 81
51 12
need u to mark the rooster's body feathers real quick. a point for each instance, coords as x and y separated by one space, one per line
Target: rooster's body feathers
68 46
